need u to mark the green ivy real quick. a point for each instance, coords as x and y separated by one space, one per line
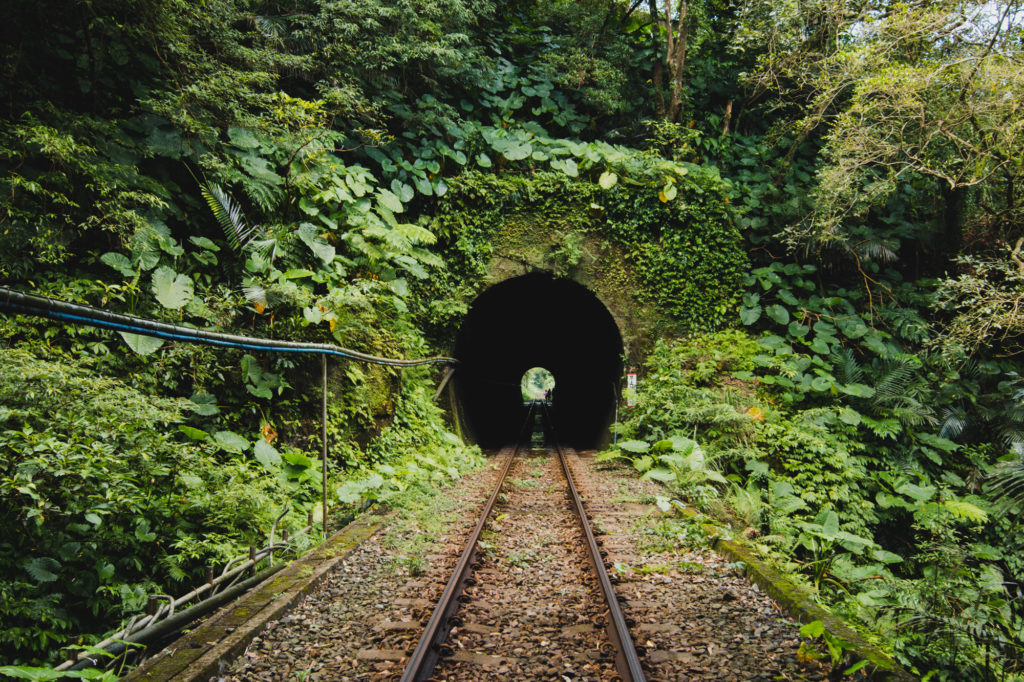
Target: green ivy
686 253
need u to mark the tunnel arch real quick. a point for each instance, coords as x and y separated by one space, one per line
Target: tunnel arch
538 320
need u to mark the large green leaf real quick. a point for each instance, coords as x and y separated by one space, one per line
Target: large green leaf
857 390
323 251
634 446
204 404
663 474
119 262
194 433
230 441
644 463
42 569
423 186
829 521
171 289
266 454
143 345
307 232
749 315
350 492
850 416
607 180
777 313
26 672
518 151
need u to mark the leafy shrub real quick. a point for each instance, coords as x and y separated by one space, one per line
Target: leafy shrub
102 502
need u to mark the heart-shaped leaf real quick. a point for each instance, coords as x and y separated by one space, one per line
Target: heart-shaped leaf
171 289
143 345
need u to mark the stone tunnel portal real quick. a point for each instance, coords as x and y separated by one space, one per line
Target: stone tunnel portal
538 320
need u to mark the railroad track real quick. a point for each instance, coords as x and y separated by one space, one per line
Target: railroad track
608 655
530 606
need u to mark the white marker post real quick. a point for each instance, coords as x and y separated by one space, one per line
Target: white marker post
631 385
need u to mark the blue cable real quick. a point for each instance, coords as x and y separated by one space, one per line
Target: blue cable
29 304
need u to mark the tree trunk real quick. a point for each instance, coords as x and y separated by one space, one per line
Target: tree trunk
657 77
675 55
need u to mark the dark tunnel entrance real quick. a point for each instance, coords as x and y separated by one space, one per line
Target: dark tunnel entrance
538 320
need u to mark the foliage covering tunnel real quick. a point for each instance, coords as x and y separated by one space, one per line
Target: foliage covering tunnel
538 320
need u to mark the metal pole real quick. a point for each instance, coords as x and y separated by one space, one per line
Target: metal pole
615 395
323 415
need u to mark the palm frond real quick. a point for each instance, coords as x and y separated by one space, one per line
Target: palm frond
269 27
914 413
255 293
1011 433
878 250
953 421
229 215
265 249
1006 483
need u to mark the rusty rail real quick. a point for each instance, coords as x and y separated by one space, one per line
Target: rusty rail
425 656
431 645
627 660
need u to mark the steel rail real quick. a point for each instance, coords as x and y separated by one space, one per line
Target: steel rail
428 651
627 661
18 302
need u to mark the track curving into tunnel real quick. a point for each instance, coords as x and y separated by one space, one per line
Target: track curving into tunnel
538 320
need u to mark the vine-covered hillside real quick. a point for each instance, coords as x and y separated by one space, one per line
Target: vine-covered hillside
822 200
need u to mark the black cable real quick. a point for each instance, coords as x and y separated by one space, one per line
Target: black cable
18 302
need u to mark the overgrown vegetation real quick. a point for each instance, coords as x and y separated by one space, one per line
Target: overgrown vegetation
822 200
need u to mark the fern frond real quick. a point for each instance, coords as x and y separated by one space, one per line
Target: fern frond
895 380
847 369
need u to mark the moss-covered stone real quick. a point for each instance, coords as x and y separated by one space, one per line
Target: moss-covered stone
198 654
801 604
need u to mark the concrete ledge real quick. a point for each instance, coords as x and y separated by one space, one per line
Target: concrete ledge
800 604
204 652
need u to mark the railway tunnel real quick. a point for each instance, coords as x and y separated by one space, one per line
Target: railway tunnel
538 320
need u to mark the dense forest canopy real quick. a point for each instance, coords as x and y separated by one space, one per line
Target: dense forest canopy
824 199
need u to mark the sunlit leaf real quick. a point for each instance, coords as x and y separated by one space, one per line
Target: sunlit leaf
171 289
143 345
607 180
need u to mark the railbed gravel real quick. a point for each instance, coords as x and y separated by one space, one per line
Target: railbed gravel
698 617
531 615
365 618
534 609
